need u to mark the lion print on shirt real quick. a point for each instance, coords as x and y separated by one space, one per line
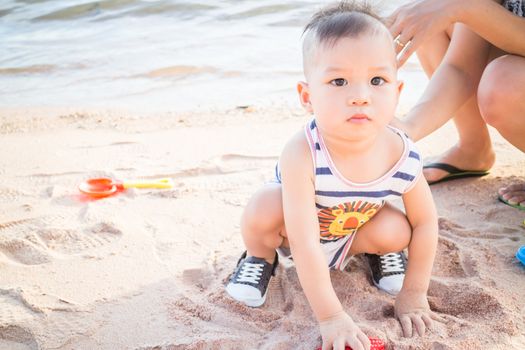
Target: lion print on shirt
344 219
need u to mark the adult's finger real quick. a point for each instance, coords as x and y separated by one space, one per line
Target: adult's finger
406 325
409 49
402 41
418 323
395 30
390 20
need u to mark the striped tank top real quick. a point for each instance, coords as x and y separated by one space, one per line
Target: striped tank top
344 206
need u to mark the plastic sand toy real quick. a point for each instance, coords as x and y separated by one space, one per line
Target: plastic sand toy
104 186
375 344
520 254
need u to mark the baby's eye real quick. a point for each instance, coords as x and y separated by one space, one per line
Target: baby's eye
339 82
378 81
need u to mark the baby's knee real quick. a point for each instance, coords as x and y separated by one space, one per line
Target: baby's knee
395 241
264 210
393 238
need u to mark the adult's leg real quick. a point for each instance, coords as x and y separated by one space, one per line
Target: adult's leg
501 99
262 223
474 148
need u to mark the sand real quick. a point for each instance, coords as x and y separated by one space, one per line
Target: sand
146 269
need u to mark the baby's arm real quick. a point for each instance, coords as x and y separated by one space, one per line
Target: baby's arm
302 228
411 303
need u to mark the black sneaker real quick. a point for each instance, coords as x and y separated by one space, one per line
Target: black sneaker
249 282
388 271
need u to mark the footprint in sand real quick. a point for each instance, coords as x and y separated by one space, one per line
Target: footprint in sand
23 251
68 241
38 240
17 338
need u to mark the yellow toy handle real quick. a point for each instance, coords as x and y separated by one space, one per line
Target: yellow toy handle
159 183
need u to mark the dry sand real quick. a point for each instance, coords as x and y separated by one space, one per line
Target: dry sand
146 269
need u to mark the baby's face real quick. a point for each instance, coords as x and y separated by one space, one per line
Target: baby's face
352 86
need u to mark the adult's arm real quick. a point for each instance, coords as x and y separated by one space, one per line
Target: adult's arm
453 83
417 22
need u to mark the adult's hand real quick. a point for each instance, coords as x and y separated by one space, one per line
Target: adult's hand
414 23
401 125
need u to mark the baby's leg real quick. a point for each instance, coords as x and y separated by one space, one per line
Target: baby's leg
262 230
262 223
388 231
386 235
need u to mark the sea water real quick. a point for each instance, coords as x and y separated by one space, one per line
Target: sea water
157 55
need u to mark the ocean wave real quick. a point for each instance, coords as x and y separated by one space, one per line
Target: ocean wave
34 69
107 10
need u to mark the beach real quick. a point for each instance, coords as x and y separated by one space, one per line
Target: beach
202 93
146 268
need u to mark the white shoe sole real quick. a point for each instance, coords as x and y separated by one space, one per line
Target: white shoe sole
249 302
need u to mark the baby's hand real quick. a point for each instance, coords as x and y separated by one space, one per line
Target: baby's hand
412 308
339 331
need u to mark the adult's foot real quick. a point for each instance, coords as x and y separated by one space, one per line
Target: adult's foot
514 194
463 158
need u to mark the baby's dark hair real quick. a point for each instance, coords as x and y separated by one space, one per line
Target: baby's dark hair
343 19
339 20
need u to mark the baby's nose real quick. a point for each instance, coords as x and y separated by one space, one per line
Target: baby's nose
358 96
359 101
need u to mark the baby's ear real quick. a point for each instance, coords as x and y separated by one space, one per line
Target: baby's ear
304 96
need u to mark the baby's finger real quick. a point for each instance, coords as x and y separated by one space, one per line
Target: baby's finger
437 317
339 344
364 340
327 345
406 325
355 343
428 321
419 325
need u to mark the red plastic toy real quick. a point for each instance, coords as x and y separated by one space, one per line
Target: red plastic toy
375 344
104 187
